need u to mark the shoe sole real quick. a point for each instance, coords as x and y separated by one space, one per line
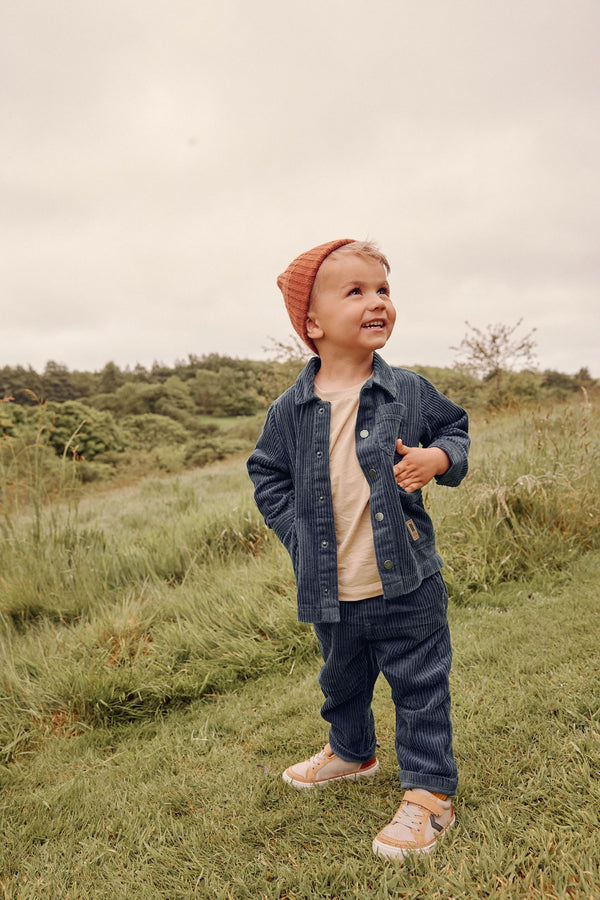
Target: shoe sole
391 852
351 776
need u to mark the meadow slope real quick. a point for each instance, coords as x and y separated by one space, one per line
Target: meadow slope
155 683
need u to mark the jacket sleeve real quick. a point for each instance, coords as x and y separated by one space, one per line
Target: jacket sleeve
271 472
447 427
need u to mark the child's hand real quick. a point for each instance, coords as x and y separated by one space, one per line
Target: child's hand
419 466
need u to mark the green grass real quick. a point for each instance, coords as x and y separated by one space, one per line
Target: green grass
531 503
193 804
155 683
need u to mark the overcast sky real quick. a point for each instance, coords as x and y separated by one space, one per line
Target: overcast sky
164 160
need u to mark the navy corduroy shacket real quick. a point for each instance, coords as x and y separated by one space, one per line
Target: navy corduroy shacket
290 471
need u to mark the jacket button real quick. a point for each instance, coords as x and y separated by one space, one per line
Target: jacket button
364 433
319 454
372 473
320 410
379 516
388 564
324 543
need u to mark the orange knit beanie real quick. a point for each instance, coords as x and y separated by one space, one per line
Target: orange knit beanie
297 281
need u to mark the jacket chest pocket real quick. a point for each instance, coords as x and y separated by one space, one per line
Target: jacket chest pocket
388 424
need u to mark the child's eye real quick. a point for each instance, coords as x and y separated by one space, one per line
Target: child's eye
384 290
354 290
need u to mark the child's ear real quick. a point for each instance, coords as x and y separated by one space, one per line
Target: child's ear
313 329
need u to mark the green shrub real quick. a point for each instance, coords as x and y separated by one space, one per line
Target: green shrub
150 429
11 417
203 452
80 431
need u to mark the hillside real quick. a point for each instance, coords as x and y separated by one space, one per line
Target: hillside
156 682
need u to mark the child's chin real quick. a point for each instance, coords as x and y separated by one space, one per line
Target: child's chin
378 338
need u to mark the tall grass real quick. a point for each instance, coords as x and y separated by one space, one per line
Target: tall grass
31 476
531 502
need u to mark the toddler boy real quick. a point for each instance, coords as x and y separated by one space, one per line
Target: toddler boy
338 472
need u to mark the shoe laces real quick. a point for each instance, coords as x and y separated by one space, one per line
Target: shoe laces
410 815
317 758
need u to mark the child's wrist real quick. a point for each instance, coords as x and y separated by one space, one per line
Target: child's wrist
444 461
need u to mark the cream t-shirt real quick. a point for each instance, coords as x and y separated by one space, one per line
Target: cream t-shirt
358 577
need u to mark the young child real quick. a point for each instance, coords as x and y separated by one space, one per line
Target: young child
338 472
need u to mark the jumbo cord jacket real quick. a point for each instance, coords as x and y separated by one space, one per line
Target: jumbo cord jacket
290 471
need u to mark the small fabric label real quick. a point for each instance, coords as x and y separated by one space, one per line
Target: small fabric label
412 529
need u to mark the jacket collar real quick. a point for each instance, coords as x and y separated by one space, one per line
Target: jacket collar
304 388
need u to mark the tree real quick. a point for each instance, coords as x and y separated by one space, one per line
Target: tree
56 382
110 379
205 390
23 385
497 350
225 392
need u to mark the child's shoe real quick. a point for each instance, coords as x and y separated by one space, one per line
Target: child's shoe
325 767
421 819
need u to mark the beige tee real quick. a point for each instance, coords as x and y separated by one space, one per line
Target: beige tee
358 577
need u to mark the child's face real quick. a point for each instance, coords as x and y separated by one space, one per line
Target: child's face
351 307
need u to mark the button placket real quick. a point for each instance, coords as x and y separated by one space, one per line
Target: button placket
324 564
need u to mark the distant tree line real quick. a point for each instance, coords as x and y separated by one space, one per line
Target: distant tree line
217 385
201 409
214 385
133 421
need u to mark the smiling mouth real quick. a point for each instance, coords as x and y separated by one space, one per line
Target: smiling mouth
376 323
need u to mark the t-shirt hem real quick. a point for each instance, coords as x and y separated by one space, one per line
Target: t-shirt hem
363 593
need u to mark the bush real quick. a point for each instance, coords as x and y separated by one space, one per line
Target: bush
203 452
11 416
80 431
150 429
247 430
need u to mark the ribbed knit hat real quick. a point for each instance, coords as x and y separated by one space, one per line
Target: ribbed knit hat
297 281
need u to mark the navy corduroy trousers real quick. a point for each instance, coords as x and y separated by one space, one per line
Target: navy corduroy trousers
407 639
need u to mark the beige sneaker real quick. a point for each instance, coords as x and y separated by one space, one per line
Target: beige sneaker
421 819
325 767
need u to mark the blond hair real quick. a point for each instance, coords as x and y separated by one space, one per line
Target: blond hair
362 248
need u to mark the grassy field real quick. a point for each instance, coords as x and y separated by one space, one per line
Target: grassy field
155 683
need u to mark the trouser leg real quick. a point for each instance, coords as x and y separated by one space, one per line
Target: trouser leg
347 679
414 654
421 694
